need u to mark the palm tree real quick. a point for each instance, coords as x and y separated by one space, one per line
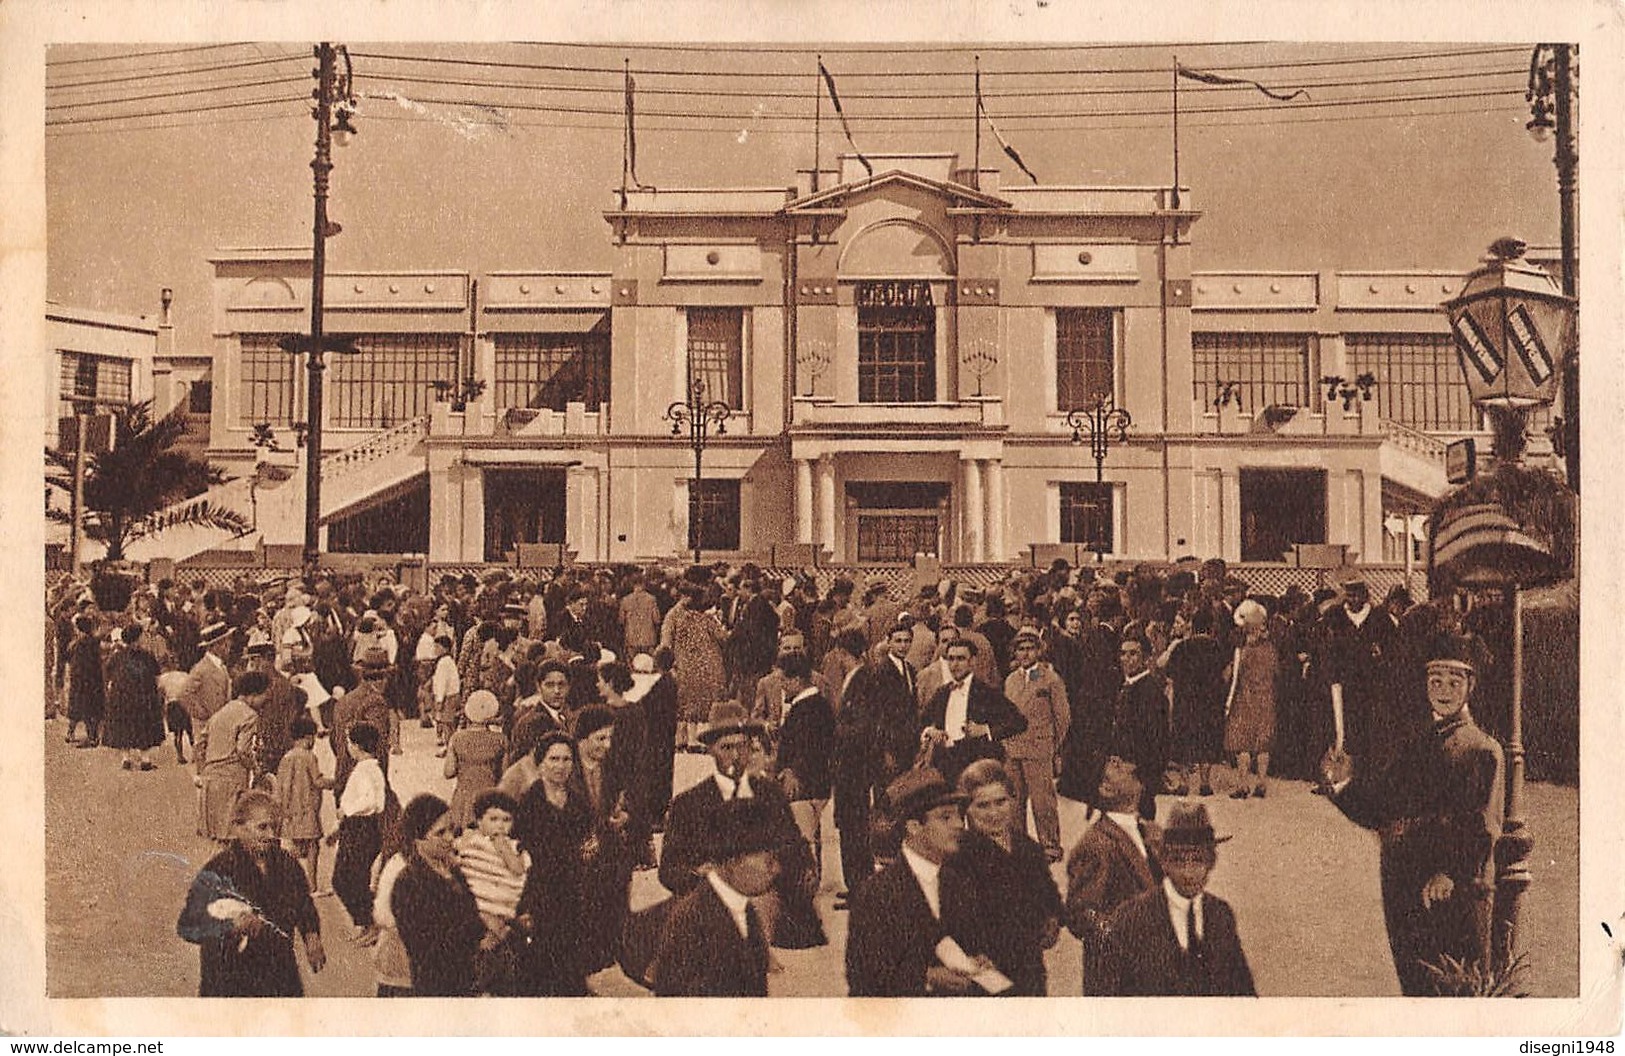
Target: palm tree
134 490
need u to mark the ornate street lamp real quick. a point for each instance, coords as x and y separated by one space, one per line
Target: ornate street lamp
1514 528
1103 425
699 415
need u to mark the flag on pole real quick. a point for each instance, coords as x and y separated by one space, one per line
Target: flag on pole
1008 149
632 134
1219 79
835 101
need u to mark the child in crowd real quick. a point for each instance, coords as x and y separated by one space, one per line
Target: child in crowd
495 868
172 687
446 688
299 786
360 832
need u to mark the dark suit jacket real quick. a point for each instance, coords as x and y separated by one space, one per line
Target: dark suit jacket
807 745
688 844
1140 734
986 705
1104 871
892 938
890 715
702 953
1143 957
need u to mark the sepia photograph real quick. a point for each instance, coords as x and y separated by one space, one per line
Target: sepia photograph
785 505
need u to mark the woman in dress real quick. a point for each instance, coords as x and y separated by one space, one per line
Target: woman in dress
434 911
553 824
87 684
1249 732
607 861
696 639
135 711
474 755
245 907
1021 904
1195 666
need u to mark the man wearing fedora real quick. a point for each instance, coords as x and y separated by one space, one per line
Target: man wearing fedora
1437 808
714 944
209 686
364 704
1113 862
1176 939
901 916
967 719
283 703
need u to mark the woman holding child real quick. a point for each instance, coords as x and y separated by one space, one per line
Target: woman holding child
433 909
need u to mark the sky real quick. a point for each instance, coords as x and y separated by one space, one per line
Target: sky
504 156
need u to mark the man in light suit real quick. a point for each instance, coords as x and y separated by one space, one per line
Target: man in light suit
1113 862
1034 756
209 686
1177 939
967 720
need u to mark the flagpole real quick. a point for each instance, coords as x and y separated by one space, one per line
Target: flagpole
818 121
626 144
1175 199
976 121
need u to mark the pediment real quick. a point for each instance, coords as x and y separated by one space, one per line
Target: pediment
886 183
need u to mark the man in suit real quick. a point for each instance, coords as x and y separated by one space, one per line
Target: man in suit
1356 641
1139 730
901 917
538 714
1113 862
209 686
714 944
1176 939
283 702
877 738
806 748
1437 808
967 719
1034 759
364 704
689 849
1094 705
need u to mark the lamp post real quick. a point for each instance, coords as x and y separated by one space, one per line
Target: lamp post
1104 425
330 87
699 415
1506 320
1551 113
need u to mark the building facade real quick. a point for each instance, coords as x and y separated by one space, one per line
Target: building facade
899 353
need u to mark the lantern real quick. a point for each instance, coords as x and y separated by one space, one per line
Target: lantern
1511 325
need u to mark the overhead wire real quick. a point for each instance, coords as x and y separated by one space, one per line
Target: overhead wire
176 72
184 110
125 56
174 94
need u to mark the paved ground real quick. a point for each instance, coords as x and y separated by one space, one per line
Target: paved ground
1303 881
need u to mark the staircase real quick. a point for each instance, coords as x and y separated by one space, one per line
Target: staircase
380 462
1412 458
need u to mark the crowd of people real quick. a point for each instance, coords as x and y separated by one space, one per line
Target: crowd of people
931 721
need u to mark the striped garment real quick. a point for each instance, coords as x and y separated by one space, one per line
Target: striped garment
496 890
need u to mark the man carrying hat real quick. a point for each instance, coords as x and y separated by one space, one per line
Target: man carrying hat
904 917
1437 809
1176 939
714 944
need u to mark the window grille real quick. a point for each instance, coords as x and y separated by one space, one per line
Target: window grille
1269 369
1419 379
713 514
102 382
897 355
552 370
390 380
1083 356
1086 515
894 538
716 352
268 388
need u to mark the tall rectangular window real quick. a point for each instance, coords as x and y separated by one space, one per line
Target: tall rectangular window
1419 379
716 353
713 514
268 388
94 384
1262 369
1084 356
1086 515
390 380
897 355
552 370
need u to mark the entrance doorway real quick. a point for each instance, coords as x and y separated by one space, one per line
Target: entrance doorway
896 520
1280 507
522 506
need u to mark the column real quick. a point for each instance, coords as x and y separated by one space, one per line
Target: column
826 503
679 517
804 500
1230 539
995 511
581 512
973 514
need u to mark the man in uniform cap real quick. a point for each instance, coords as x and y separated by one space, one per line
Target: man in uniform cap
1034 756
1354 670
902 917
714 944
1438 809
